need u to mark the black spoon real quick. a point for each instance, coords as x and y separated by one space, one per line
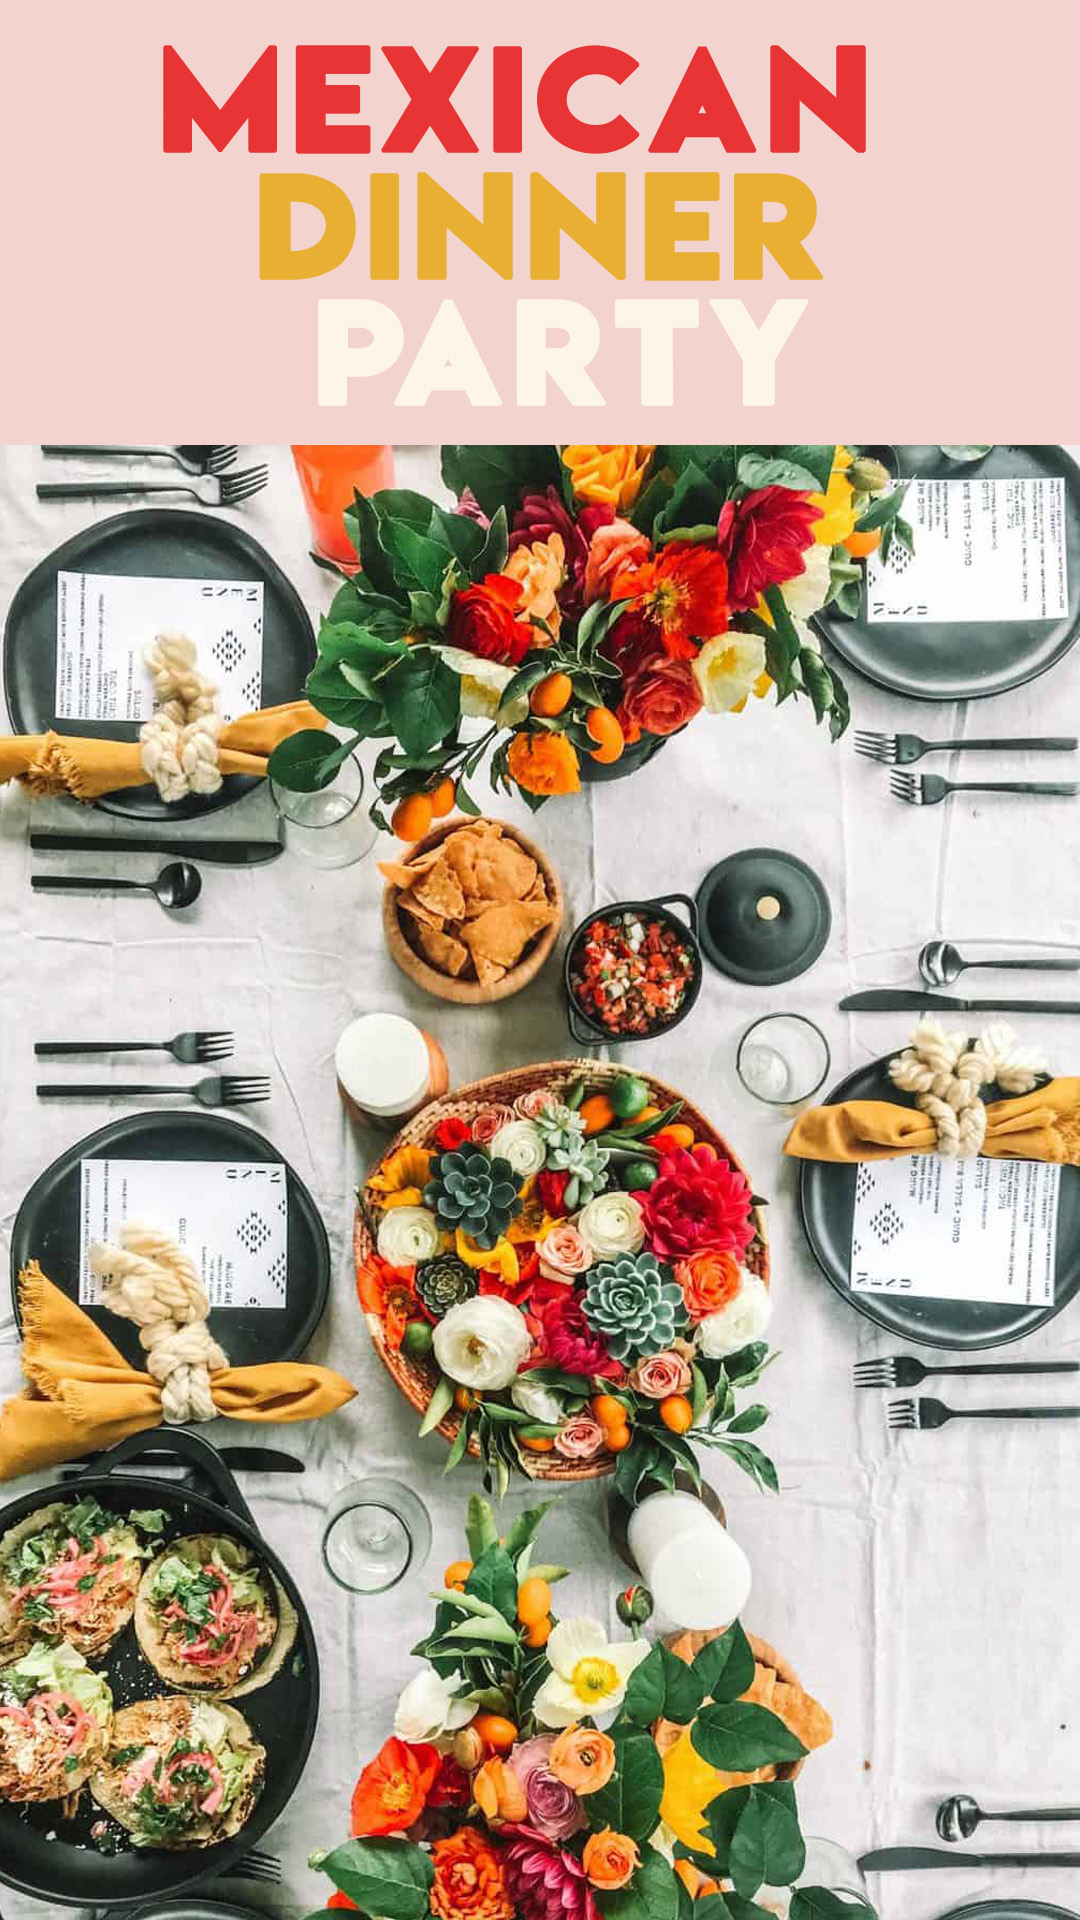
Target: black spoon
958 1817
177 885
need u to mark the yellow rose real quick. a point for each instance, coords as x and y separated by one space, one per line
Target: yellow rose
608 476
539 571
836 508
728 669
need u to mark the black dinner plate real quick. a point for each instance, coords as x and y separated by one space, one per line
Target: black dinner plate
957 660
154 542
1008 1910
47 1230
827 1205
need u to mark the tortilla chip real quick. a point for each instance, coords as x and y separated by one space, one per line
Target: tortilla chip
803 1716
491 871
488 972
402 873
501 933
444 952
416 907
538 890
440 890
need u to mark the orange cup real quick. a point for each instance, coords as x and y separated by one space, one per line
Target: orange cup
329 476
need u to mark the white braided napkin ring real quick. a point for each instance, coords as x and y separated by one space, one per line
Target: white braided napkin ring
150 1280
945 1074
179 743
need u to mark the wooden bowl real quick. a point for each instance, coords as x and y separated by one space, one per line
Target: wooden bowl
469 993
687 1644
416 1378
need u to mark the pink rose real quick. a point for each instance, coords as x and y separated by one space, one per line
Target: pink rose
612 548
580 1438
488 1122
563 1252
661 1374
528 1105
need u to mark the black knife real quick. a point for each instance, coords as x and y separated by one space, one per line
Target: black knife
916 1000
886 1859
247 1459
227 853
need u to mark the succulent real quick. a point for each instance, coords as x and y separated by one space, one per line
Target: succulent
586 1166
444 1282
559 1128
469 1191
634 1303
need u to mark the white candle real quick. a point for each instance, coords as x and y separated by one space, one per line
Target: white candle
383 1064
697 1574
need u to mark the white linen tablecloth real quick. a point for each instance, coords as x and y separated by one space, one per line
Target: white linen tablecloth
921 1584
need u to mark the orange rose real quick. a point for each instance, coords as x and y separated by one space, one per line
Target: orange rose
498 1792
540 571
469 1882
583 1759
612 548
543 763
610 476
610 1859
709 1281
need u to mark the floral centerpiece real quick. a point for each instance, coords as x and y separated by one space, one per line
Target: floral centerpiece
568 1274
499 1796
583 604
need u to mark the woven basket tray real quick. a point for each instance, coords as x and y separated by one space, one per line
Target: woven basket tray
414 1378
687 1645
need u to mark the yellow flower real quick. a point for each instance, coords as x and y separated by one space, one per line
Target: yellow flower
837 511
540 571
534 1220
608 476
727 671
690 1784
401 1177
500 1258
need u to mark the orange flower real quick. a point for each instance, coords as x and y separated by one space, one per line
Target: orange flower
611 549
498 1792
543 763
708 1281
610 1859
540 571
609 476
388 1293
583 1758
684 590
391 1792
469 1882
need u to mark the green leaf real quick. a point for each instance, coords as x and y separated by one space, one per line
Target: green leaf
524 1528
361 602
630 1802
749 1420
362 527
387 1878
438 1406
758 1836
476 1629
402 503
737 1736
480 1529
881 510
782 646
752 1461
740 1908
307 761
492 555
783 469
498 476
494 1579
725 1666
817 681
821 1903
652 1894
695 500
423 698
663 1687
419 563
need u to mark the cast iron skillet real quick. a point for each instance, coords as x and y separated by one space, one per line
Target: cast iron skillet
67 1869
586 1031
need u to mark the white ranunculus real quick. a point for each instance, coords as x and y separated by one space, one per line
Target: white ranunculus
427 1708
481 1343
483 683
743 1319
538 1402
520 1142
726 670
807 592
408 1234
612 1224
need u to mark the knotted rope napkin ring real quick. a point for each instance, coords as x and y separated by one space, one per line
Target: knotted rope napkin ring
151 1281
945 1073
179 743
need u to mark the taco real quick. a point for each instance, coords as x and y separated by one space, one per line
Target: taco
210 1619
55 1717
70 1571
180 1772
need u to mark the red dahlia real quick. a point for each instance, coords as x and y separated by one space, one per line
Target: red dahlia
763 538
545 1882
696 1204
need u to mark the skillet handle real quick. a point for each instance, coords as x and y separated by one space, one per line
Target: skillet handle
188 1448
582 1035
682 900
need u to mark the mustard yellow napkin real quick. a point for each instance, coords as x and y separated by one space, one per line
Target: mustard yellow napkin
82 1396
1041 1125
56 763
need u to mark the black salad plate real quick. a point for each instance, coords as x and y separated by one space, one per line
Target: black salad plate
155 542
827 1205
1008 1910
47 1230
958 660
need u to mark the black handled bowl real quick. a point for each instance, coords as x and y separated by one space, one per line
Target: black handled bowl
584 1029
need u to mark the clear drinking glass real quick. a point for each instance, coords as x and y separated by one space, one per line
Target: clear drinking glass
830 1865
330 828
376 1533
782 1059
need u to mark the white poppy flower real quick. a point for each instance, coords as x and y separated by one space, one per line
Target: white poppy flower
588 1672
538 1402
481 1343
408 1234
520 1143
427 1708
483 683
612 1224
743 1319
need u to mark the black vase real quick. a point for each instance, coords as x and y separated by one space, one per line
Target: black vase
630 760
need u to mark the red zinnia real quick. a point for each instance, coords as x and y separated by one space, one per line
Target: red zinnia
452 1132
567 1339
696 1203
685 591
482 620
763 538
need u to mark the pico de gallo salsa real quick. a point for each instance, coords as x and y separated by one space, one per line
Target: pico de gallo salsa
631 972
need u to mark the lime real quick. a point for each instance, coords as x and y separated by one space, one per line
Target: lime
628 1095
417 1340
639 1173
